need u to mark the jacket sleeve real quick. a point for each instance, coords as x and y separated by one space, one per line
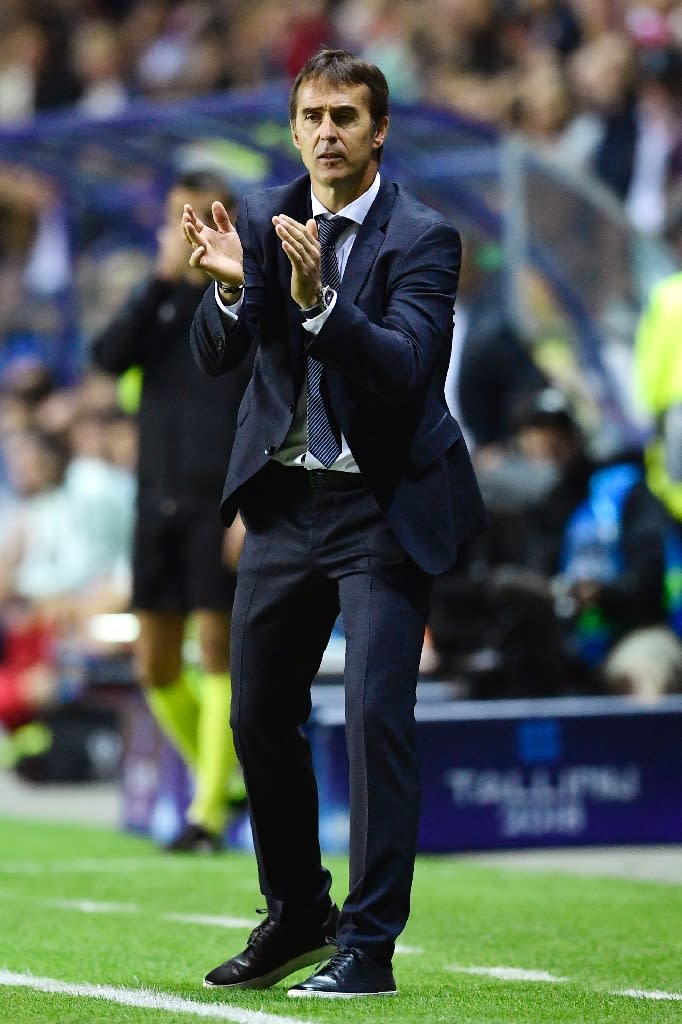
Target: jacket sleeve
219 344
121 344
396 358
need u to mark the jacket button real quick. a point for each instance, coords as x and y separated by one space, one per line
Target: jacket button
269 450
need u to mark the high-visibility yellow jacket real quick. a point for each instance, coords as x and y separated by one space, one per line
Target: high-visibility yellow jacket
658 374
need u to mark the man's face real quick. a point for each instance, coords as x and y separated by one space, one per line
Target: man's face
171 241
547 444
336 136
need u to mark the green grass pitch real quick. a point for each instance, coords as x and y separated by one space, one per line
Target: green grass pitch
83 907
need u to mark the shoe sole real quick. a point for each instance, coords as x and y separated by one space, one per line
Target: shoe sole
303 994
315 956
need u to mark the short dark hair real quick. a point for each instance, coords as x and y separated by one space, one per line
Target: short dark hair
339 67
547 407
209 181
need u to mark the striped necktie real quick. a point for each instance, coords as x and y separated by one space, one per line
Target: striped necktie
324 436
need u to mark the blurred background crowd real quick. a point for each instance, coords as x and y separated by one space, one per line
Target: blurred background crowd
595 84
577 588
597 80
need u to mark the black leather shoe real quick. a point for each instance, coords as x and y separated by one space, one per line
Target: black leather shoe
350 972
195 839
273 951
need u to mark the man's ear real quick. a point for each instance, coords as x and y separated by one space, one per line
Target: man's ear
294 134
380 132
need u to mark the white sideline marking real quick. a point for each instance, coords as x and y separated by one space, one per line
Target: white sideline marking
521 974
153 1000
145 998
214 922
638 993
408 950
508 973
94 907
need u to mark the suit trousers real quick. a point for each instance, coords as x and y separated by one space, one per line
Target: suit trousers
309 553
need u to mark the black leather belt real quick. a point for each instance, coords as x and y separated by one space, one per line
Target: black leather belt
332 479
315 479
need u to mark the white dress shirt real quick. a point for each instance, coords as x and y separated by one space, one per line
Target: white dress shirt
294 450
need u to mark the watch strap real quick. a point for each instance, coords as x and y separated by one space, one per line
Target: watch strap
231 292
324 300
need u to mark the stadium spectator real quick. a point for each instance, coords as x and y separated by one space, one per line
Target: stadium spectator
308 29
98 64
35 258
34 567
466 63
356 487
206 67
162 36
64 557
122 440
186 425
25 382
554 24
575 566
653 24
102 496
491 367
385 33
604 75
627 123
29 682
655 175
35 70
543 107
58 543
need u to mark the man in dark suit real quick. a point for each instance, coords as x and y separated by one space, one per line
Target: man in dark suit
356 487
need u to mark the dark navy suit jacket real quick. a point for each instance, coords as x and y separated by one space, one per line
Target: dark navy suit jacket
385 347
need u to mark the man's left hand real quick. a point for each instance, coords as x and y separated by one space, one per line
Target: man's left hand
300 243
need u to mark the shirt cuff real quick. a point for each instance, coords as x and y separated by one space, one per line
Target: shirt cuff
316 323
232 310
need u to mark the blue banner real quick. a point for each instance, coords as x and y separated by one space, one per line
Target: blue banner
513 774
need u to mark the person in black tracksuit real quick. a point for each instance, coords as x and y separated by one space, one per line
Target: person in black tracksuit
186 424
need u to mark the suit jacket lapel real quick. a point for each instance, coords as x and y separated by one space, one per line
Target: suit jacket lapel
360 261
368 242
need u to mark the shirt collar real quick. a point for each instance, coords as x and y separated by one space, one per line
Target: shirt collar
355 211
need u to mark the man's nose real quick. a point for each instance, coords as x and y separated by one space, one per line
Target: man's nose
328 129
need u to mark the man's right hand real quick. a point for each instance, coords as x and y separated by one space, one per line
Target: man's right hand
217 250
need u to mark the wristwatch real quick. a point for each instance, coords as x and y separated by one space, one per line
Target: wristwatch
230 291
325 297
